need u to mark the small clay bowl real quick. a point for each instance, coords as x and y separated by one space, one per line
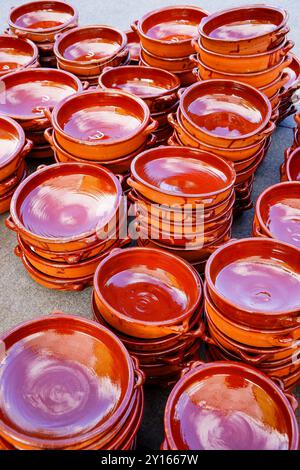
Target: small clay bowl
248 29
158 88
69 192
14 146
206 114
246 280
16 53
41 21
151 281
277 213
27 92
161 175
117 124
168 32
293 166
134 46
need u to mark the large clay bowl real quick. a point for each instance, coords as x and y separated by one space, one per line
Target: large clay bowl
225 113
13 145
116 124
168 32
277 212
248 29
131 283
181 175
41 21
65 207
16 53
255 281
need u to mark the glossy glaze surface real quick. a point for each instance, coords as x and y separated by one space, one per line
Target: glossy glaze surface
243 29
91 49
14 53
173 30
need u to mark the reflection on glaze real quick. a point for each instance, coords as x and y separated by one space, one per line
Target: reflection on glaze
91 48
260 284
58 383
68 205
145 294
41 19
225 115
228 412
284 220
243 29
101 123
183 175
11 58
140 86
8 145
174 30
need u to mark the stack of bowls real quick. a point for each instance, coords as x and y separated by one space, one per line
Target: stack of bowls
183 201
252 302
86 51
25 94
289 99
290 168
40 22
157 87
17 53
229 406
229 119
67 218
247 44
277 213
134 46
13 149
152 300
86 397
166 39
117 126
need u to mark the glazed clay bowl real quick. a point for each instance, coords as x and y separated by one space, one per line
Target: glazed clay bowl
27 92
168 32
65 207
277 212
16 53
12 181
293 166
14 146
255 282
243 63
246 408
158 88
5 200
226 114
244 30
134 46
101 359
179 64
131 283
116 124
41 21
181 175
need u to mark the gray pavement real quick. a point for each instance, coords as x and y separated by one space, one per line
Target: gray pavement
22 299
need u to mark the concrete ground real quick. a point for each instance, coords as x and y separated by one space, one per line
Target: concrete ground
22 299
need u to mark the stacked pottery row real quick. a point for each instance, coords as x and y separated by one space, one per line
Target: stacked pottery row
67 218
104 381
183 201
289 97
41 22
240 133
252 306
166 39
247 44
156 87
152 301
25 96
14 148
87 50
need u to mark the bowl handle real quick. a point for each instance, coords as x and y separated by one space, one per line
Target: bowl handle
190 366
152 126
196 74
134 184
256 231
172 141
85 85
288 46
180 92
152 139
48 134
21 34
18 251
267 131
139 374
172 119
291 398
27 148
10 224
134 26
194 58
282 32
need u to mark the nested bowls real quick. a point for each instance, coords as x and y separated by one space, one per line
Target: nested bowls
146 293
244 408
16 53
95 386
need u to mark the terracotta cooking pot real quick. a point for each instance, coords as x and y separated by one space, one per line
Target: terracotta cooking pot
293 71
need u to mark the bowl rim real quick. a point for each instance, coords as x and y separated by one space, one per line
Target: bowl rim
87 323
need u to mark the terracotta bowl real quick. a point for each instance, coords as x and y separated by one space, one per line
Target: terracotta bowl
5 200
28 92
130 283
70 192
161 175
156 87
117 124
277 213
168 32
16 53
134 46
41 21
248 29
206 115
53 339
14 146
178 64
244 423
293 166
244 63
246 278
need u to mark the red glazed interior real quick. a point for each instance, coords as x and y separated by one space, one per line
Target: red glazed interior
15 52
12 140
42 15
